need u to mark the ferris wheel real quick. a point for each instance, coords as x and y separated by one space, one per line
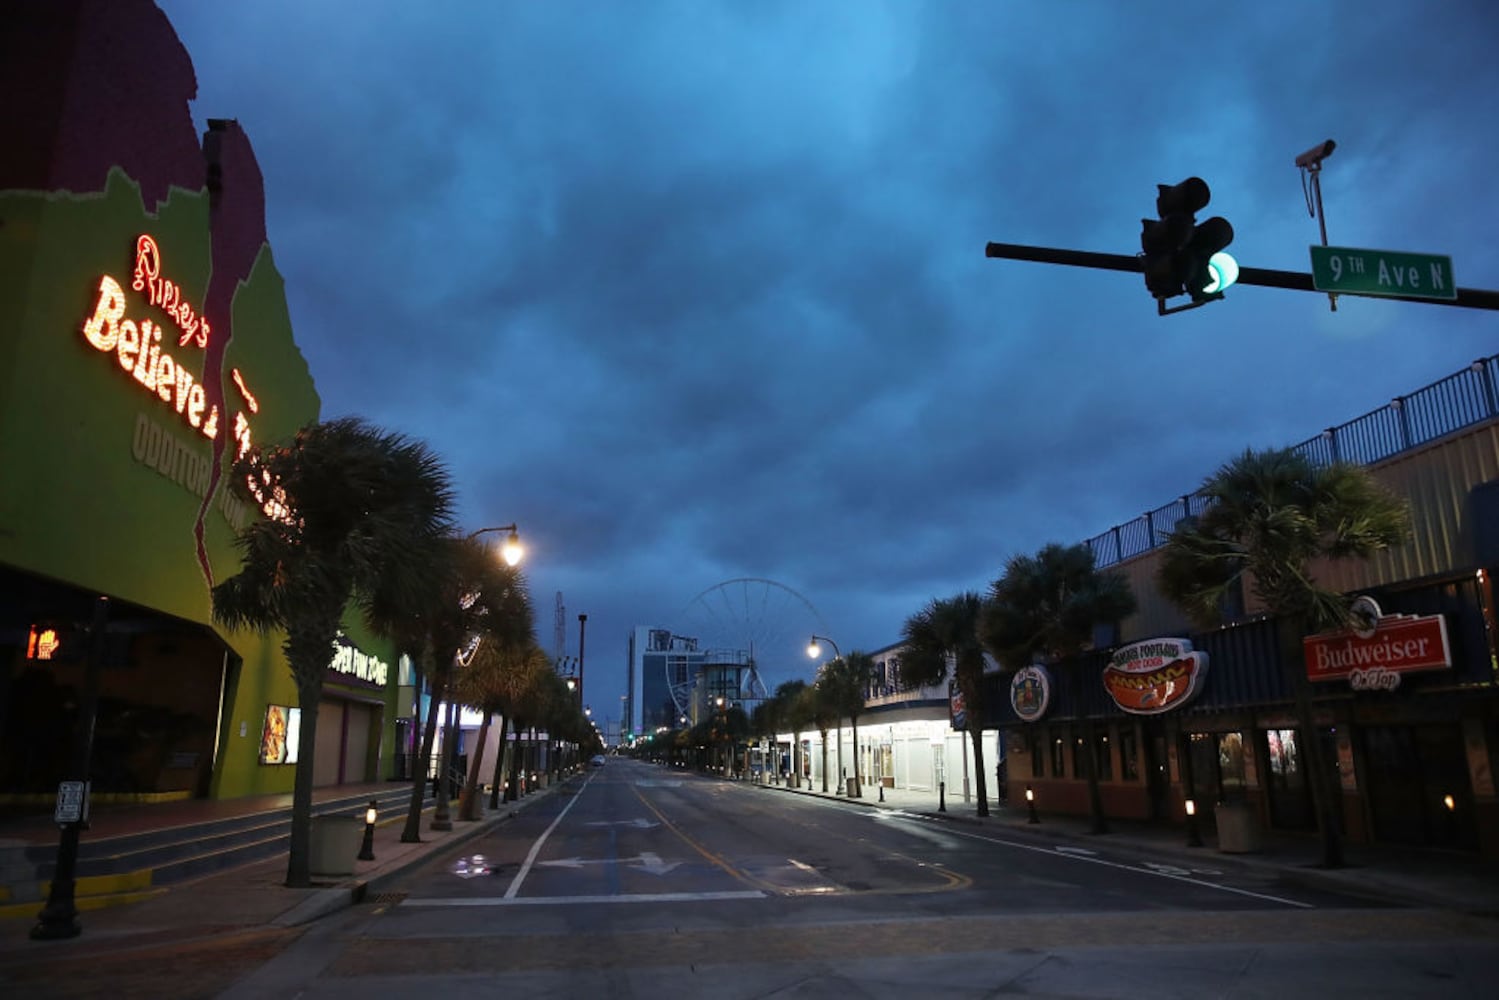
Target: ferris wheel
761 624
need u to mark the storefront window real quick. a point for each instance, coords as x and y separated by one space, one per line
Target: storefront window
1058 758
1105 764
1129 758
1078 765
1231 766
1038 760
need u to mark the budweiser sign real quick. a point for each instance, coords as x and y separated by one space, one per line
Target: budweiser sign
1374 656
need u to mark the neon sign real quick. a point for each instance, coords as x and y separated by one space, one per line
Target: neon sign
166 294
137 348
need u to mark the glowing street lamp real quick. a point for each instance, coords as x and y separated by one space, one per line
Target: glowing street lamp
815 651
511 551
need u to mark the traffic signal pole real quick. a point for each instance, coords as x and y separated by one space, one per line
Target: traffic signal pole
1468 298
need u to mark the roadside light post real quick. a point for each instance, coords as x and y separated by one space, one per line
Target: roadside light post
367 849
814 650
512 551
1030 804
582 623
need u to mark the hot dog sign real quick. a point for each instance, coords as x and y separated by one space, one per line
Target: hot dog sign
1155 676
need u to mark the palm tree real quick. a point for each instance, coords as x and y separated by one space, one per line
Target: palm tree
1046 607
819 708
795 716
522 699
354 518
949 629
474 591
506 636
847 681
1270 515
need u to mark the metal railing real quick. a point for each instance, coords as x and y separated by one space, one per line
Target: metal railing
1460 400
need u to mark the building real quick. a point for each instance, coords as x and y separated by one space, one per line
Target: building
670 681
148 342
1407 708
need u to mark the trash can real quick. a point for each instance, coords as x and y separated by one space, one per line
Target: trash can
853 788
1238 828
335 844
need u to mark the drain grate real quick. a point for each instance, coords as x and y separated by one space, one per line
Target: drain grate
385 898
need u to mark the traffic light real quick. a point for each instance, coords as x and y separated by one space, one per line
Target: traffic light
1182 257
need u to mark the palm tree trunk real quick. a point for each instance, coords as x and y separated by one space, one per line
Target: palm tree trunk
411 833
1293 657
976 736
441 819
839 786
498 784
858 777
1090 770
1100 823
468 802
299 854
512 790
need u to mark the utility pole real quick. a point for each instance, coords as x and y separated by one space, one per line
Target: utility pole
582 623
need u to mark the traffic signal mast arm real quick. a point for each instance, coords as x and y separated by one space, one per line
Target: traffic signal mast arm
1470 298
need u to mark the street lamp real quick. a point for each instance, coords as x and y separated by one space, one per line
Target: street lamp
511 551
814 650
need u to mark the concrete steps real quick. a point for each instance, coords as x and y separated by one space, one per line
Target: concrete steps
127 868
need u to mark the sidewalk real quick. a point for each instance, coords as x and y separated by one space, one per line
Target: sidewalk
1434 879
246 898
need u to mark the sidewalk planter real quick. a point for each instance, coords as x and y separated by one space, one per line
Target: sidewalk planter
1238 831
335 844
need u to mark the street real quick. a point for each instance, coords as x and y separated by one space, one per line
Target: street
650 879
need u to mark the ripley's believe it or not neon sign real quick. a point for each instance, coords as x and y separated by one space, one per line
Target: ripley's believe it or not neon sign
137 346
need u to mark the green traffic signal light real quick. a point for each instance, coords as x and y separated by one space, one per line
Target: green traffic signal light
1225 271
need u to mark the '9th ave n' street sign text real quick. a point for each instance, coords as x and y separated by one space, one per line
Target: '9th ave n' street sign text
1351 271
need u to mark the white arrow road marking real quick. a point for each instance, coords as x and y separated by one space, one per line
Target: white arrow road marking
638 823
1081 851
646 862
653 863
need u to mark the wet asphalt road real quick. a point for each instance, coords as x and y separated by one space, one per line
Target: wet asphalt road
647 880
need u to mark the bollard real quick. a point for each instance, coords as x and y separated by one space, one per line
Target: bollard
942 796
882 789
1194 834
367 848
1030 801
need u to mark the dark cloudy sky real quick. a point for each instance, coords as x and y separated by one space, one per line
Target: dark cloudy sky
697 292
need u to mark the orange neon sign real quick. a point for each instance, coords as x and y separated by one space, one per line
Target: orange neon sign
165 294
137 347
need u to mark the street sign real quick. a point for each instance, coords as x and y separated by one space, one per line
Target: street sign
1351 271
72 803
